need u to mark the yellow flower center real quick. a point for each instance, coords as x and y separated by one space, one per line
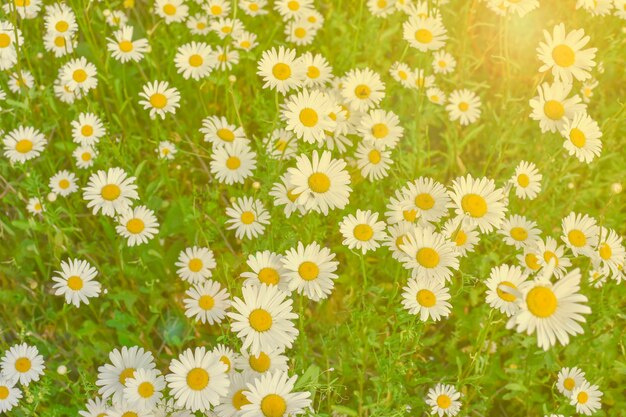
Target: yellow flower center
313 72
569 383
374 156
245 44
126 46
125 374
582 397
129 414
195 60
424 201
75 283
577 137
4 392
381 4
281 71
158 100
426 298
300 32
226 362
427 257
363 232
23 365
319 182
216 10
273 405
362 91
5 40
292 196
61 26
135 226
474 204
206 302
308 270
79 75
554 109
110 192
308 117
247 217
145 389
239 399
233 162
169 9
463 106
380 130
541 302
260 363
460 238
531 261
523 180
226 135
260 320
443 401
548 256
195 265
24 146
197 379
59 41
269 276
293 5
86 130
86 156
577 238
563 56
505 295
519 233
409 215
423 36
605 251
254 7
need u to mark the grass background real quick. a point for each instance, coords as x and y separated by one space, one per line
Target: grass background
360 352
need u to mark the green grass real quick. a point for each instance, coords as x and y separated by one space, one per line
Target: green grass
360 352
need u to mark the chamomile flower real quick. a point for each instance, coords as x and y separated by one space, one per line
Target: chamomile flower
247 217
462 233
166 150
321 183
529 259
300 32
419 80
518 231
76 282
79 74
428 198
381 8
318 71
35 206
582 137
198 380
362 89
9 37
444 400
27 9
223 58
550 251
610 251
401 72
123 48
595 7
373 162
123 409
586 398
137 225
436 96
569 379
597 277
230 406
20 82
310 270
463 105
123 364
502 288
227 356
394 239
193 60
586 91
218 131
60 18
553 108
171 10
195 264
233 162
263 320
217 8
280 69
272 394
87 129
224 27
381 128
116 18
144 389
23 143
159 98
580 233
95 408
207 302
111 191
563 53
399 209
10 395
307 115
266 268
526 180
553 311
84 156
290 9
261 363
425 33
429 255
479 201
60 45
64 93
281 144
283 194
426 298
198 24
362 231
443 62
22 363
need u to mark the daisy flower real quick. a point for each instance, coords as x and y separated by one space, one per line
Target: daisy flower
436 96
426 298
582 137
244 40
116 18
266 268
283 195
443 62
300 32
381 128
230 406
171 10
444 400
217 8
321 183
253 7
207 302
22 363
223 59
224 27
318 70
580 233
79 74
22 82
362 231
586 398
10 395
310 270
263 320
95 408
526 180
401 73
123 409
273 395
198 24
552 107
425 33
518 231
569 379
399 209
463 105
419 80
529 260
166 150
227 356
373 162
112 377
111 191
280 70
138 225
35 206
307 115
262 363
123 48
610 251
586 91
289 9
549 250
84 156
75 281
159 98
60 45
23 143
564 54
195 264
394 239
144 389
247 217
428 198
218 131
429 255
198 380
233 162
480 201
87 129
282 144
553 311
362 89
462 233
381 8
193 60
502 288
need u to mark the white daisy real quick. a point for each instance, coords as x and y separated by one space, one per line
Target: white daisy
84 156
87 129
580 233
552 107
462 233
207 302
502 288
310 270
123 48
261 363
22 363
518 231
362 89
307 115
526 180
569 379
429 255
549 251
362 231
10 395
144 389
112 376
218 131
582 137
159 98
373 162
266 268
195 264
193 60
23 143
272 395
280 70
479 201
233 163
75 281
247 217
425 33
427 298
444 400
463 105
